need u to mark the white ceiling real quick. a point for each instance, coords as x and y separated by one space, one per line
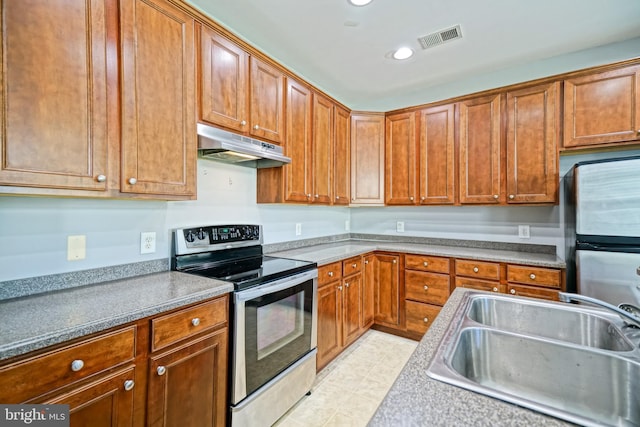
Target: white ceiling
350 61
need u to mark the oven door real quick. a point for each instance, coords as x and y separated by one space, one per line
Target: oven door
275 324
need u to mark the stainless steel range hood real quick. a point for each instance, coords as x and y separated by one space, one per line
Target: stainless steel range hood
223 146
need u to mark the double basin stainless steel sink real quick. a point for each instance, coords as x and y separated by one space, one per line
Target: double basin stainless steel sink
571 362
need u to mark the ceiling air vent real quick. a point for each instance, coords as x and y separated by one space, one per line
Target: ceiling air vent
439 37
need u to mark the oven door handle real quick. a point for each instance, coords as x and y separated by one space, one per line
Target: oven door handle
276 286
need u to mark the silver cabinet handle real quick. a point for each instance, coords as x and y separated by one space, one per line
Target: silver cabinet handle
476 269
495 289
256 127
101 178
330 274
425 263
132 181
426 288
243 123
495 196
512 291
426 320
161 370
511 196
76 365
195 321
128 385
532 276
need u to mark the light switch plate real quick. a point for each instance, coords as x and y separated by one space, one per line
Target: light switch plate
76 247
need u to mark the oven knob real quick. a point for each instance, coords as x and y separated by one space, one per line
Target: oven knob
190 237
201 234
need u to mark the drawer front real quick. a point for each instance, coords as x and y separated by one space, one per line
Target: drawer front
534 276
44 373
169 329
479 269
329 273
479 284
532 292
427 263
426 287
351 266
420 316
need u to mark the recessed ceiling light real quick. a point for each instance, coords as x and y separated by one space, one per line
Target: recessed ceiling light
359 2
403 53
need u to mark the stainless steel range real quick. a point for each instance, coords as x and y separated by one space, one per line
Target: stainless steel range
274 317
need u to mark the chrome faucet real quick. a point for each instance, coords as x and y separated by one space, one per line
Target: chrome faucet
626 316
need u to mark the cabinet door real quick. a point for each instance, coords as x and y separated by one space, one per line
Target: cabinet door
341 157
322 143
420 316
480 151
368 292
533 121
107 402
436 173
367 159
188 385
224 71
158 99
54 95
400 159
329 323
387 291
351 297
602 108
297 184
532 292
267 106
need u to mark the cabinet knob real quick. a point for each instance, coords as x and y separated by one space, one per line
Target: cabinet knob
422 198
532 276
76 365
256 127
425 320
243 123
195 321
132 181
476 269
395 262
346 285
128 385
330 274
495 289
511 196
101 178
366 261
354 265
411 198
495 196
161 370
426 288
512 291
337 197
309 196
339 288
425 263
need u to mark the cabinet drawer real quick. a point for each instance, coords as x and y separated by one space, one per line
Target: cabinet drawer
481 285
534 276
420 316
532 292
426 287
351 266
329 273
480 269
169 329
427 263
44 373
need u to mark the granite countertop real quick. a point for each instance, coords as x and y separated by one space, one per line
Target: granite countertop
417 400
32 322
336 251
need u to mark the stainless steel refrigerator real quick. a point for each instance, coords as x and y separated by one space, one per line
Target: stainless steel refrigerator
602 213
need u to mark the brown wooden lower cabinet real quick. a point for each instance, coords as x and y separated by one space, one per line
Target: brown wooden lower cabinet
351 308
329 323
481 285
388 310
532 292
187 385
368 291
420 316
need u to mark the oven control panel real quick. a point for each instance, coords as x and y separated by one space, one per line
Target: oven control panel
213 237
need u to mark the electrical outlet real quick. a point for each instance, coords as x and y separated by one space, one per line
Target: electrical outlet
148 242
400 226
76 247
524 232
347 225
298 229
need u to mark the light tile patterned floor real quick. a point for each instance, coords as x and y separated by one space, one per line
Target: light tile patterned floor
347 392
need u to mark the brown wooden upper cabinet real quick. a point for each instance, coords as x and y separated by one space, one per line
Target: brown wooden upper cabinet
322 148
436 155
602 108
400 159
54 104
159 144
533 125
481 168
367 158
239 91
341 156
